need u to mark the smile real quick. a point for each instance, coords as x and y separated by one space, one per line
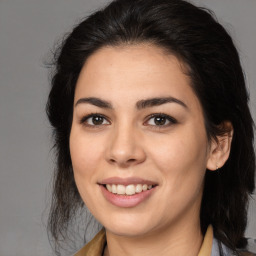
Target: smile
127 190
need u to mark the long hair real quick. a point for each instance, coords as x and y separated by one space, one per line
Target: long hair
194 36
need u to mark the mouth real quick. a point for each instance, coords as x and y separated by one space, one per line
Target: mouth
128 190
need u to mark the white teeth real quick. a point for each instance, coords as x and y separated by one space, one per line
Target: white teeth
138 188
144 187
109 188
127 190
130 190
120 189
114 190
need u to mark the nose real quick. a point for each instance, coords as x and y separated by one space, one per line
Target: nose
125 148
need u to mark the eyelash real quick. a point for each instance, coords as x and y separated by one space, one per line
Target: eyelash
84 120
168 118
161 115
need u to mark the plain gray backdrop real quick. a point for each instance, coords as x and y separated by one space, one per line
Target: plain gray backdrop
28 30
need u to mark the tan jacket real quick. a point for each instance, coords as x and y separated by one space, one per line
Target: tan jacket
96 246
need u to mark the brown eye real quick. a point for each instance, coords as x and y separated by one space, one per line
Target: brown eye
161 120
94 120
97 120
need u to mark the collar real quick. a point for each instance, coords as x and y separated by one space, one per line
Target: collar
206 248
96 246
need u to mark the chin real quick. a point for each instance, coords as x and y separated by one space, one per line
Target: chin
127 231
127 226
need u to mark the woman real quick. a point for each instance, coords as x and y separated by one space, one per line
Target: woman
152 132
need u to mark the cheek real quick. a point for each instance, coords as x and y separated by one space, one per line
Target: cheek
180 151
85 154
182 160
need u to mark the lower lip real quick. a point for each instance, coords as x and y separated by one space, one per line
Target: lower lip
126 201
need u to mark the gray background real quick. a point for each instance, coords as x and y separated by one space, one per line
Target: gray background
28 30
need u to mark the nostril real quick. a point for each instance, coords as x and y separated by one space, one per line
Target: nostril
131 160
112 160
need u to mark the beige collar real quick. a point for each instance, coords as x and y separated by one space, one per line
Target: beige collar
206 248
96 246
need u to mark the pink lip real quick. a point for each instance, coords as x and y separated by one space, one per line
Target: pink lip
126 181
124 200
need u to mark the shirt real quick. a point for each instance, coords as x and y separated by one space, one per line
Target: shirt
209 246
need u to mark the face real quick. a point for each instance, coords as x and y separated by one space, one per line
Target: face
138 143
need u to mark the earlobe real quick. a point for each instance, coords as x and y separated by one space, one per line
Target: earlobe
220 148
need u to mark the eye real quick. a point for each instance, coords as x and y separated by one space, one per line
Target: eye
160 120
94 120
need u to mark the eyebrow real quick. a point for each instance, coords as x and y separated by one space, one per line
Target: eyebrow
96 102
152 102
158 101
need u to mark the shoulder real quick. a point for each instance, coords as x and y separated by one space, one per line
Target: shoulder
247 253
219 249
95 247
250 249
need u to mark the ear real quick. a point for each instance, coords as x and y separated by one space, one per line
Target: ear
220 148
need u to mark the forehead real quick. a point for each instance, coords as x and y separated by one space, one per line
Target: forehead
135 72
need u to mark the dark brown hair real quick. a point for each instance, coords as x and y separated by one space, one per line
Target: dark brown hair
198 40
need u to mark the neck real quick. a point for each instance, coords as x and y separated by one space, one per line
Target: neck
184 239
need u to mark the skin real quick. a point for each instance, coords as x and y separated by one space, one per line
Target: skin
129 143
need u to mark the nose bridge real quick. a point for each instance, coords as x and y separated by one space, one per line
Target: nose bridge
124 146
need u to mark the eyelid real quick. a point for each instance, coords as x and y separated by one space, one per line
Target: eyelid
171 119
86 117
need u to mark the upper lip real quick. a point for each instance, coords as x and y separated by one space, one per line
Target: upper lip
126 181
